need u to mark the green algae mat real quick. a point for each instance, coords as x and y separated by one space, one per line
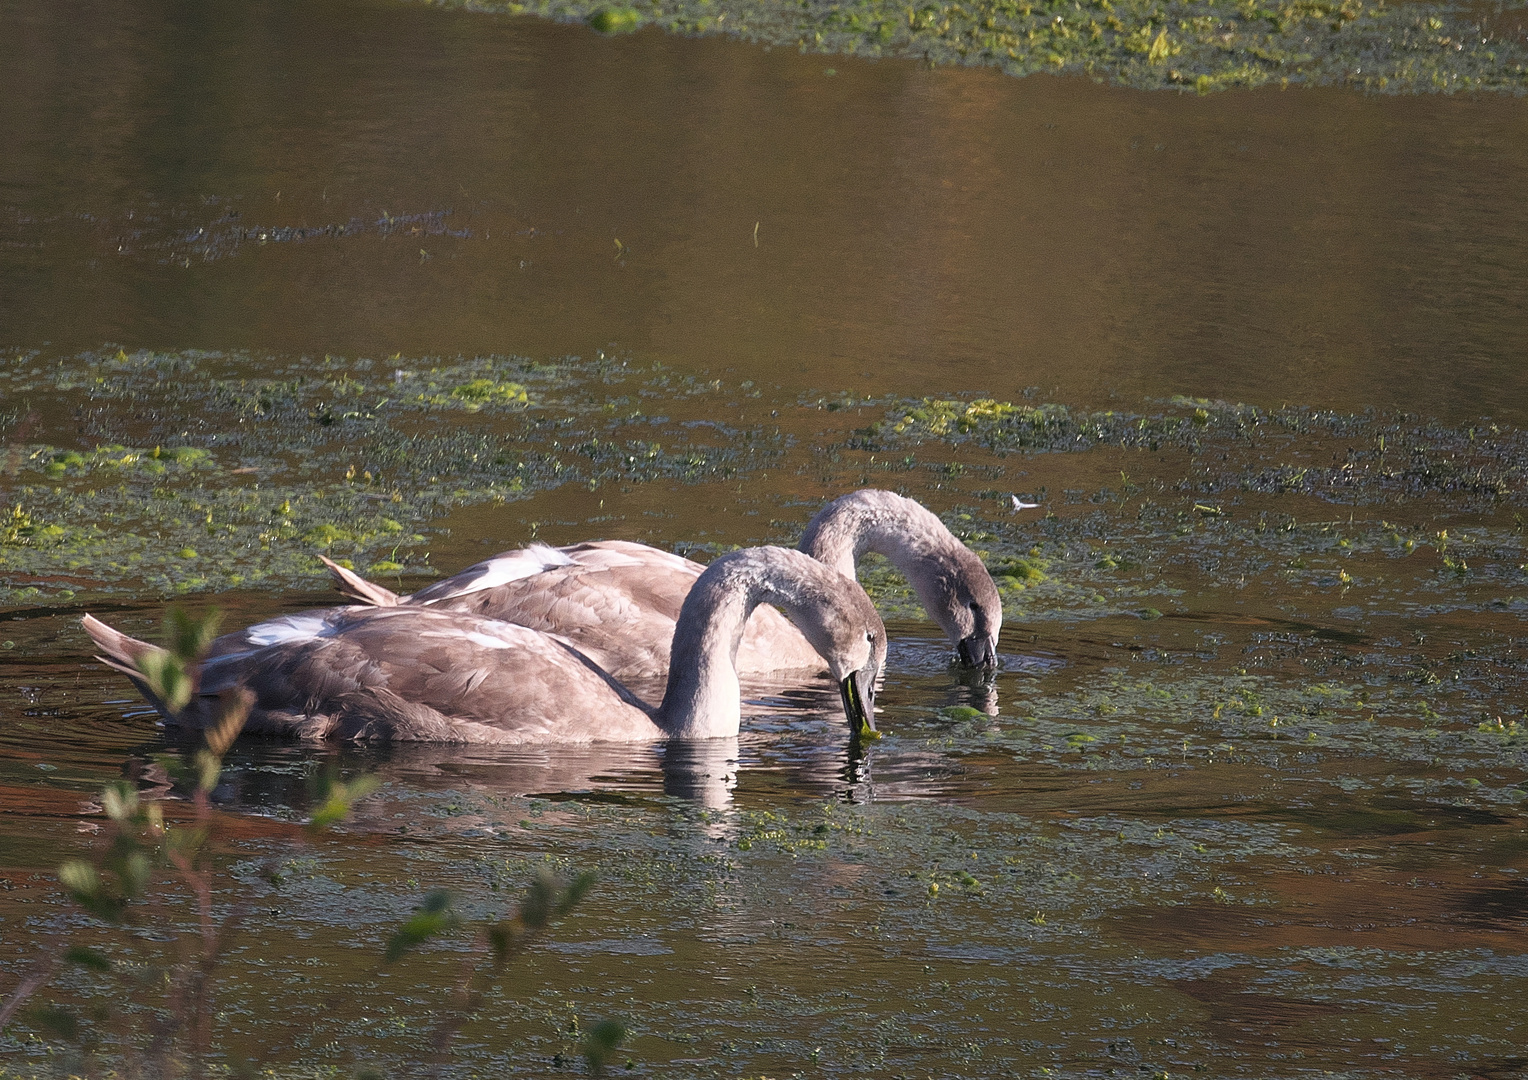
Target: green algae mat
1201 46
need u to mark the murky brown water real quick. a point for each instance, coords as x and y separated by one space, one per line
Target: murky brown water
1322 248
1274 832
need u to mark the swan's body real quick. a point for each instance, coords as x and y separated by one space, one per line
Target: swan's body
412 673
619 601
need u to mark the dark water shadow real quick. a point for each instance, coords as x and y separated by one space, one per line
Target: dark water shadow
1254 1014
1504 906
1384 817
1316 630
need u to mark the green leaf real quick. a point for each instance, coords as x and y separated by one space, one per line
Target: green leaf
601 1042
208 768
134 872
233 710
576 891
335 798
188 638
186 841
540 898
80 878
502 938
434 916
167 679
172 764
120 801
87 889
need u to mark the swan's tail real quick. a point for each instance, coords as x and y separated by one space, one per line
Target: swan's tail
125 654
349 583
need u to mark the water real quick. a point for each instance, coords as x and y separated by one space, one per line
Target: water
1264 247
1244 797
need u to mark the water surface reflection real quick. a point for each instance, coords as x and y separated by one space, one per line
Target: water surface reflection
365 178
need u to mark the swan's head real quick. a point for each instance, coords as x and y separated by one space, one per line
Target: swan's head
837 619
848 633
950 580
856 659
958 592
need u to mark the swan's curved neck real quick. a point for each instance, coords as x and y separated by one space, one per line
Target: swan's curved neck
882 522
704 699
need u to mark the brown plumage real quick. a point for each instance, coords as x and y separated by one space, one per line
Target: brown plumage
414 673
618 601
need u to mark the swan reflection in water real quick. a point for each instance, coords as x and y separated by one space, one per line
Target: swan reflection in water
791 743
273 777
793 739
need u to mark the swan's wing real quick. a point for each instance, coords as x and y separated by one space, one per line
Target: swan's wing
408 673
608 554
624 618
616 607
298 627
537 559
618 603
349 583
505 567
614 600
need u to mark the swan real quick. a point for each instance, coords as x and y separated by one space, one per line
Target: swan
423 674
618 601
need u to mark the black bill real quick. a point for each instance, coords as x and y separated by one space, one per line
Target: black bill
978 651
858 692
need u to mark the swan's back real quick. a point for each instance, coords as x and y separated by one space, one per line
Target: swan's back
617 601
414 674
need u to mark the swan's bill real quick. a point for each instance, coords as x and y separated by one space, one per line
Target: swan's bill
978 651
858 693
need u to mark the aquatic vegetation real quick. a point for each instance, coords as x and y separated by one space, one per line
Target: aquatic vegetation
1262 686
344 458
616 20
1382 457
1246 795
341 458
1198 45
121 885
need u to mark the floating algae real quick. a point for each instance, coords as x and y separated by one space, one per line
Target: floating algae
204 478
1200 45
1256 749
